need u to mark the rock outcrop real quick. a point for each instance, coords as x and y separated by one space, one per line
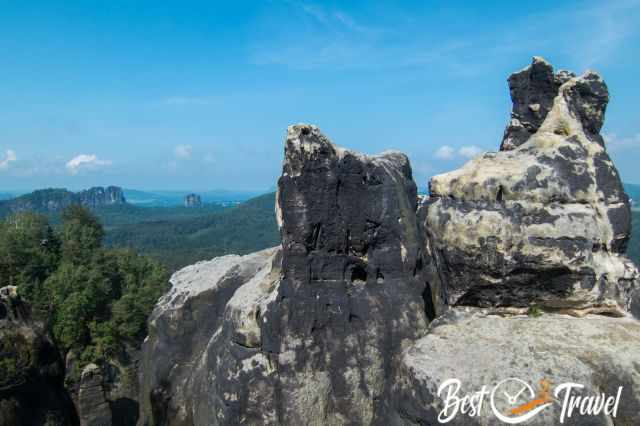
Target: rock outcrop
544 221
540 227
192 200
31 372
600 353
310 333
55 200
353 279
373 298
94 409
99 196
201 354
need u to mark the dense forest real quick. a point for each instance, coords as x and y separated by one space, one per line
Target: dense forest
180 241
94 300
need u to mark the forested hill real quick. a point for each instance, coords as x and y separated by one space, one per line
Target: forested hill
246 228
55 200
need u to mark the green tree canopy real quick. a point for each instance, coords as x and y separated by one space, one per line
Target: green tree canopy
95 300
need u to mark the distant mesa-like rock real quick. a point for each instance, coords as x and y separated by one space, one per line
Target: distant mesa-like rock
375 297
192 200
99 196
54 200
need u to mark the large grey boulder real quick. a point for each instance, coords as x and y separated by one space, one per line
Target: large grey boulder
544 221
483 349
202 358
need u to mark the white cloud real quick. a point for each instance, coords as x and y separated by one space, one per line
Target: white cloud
615 143
183 151
469 151
445 152
85 162
10 156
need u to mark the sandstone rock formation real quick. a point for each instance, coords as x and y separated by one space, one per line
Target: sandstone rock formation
54 200
541 225
31 371
332 328
192 200
99 196
544 221
353 278
598 352
310 331
93 406
201 352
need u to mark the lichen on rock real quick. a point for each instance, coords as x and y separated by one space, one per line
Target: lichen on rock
545 220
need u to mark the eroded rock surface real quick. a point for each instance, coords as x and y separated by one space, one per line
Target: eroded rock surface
479 349
332 328
92 401
351 294
544 221
203 342
310 333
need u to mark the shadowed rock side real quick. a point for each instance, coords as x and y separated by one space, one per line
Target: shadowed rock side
31 372
94 409
545 221
350 298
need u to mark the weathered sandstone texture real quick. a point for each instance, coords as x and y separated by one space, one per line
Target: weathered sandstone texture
310 333
598 352
94 409
544 221
374 298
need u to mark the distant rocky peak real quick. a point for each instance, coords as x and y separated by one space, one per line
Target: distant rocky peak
98 196
192 200
54 200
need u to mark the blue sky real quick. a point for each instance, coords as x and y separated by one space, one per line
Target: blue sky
198 95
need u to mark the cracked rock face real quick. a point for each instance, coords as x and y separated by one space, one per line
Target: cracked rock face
544 221
332 327
310 333
351 294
